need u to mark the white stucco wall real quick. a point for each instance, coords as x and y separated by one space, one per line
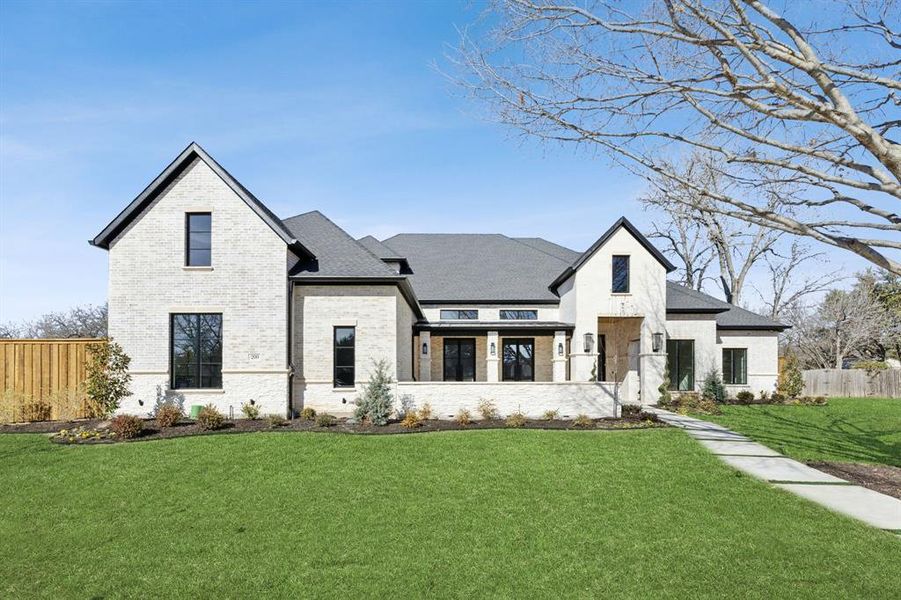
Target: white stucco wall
491 312
383 331
533 399
246 283
763 358
587 295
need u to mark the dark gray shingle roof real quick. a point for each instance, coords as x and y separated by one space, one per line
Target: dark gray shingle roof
680 299
337 253
379 249
476 267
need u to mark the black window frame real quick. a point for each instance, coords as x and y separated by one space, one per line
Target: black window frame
517 315
462 314
189 231
517 369
674 352
729 375
344 367
613 278
199 362
458 367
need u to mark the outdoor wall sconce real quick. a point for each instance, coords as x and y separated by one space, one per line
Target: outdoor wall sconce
589 341
425 348
560 349
493 349
657 342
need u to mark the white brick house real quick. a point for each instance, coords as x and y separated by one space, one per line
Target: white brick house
219 301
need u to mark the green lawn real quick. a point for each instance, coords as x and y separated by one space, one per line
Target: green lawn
458 514
866 430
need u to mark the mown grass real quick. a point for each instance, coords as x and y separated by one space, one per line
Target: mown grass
862 430
455 515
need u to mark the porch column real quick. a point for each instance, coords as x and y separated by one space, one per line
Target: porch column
425 358
491 361
559 358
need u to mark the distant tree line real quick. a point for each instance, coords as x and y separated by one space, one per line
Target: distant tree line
86 321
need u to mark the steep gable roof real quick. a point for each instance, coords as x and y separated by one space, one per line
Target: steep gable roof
169 174
379 249
628 226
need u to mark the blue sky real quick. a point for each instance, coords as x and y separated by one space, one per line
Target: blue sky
336 107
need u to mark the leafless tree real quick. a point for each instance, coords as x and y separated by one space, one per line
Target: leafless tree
809 97
789 282
844 325
88 321
734 246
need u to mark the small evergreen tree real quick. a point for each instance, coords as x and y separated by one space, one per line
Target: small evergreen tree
107 377
665 398
713 387
376 403
790 383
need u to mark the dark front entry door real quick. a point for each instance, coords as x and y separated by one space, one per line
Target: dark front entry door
519 360
459 359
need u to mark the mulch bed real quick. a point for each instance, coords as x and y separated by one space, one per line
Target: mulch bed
188 428
881 478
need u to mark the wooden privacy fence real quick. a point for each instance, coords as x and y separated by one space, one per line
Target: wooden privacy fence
852 382
43 379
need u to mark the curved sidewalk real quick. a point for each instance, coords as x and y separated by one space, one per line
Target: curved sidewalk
744 454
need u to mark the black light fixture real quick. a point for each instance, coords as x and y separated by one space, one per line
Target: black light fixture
493 349
589 341
657 342
560 349
425 348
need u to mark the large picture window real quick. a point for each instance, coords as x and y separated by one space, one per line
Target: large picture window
196 341
459 359
345 356
680 359
198 239
519 360
735 366
620 274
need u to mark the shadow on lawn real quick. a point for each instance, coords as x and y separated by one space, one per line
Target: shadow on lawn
837 439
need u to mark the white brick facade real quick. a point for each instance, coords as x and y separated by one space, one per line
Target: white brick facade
247 284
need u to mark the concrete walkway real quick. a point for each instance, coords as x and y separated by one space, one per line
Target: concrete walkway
873 508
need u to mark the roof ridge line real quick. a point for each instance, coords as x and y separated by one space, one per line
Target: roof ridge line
521 243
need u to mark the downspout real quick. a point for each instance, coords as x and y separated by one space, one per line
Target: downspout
289 351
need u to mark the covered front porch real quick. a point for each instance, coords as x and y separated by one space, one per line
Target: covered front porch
492 352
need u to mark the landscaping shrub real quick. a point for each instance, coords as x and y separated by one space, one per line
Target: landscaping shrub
168 415
210 418
425 412
665 399
464 417
764 395
488 410
126 427
582 421
308 413
107 377
810 400
631 410
692 402
790 382
745 397
777 398
516 420
872 367
275 421
713 389
551 415
406 405
326 420
375 404
411 420
250 410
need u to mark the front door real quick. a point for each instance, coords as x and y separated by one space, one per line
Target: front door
459 359
519 359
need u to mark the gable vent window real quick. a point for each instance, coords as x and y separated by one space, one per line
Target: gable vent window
620 274
198 239
460 314
519 315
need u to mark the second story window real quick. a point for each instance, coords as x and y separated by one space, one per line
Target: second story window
519 315
620 274
198 239
460 314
